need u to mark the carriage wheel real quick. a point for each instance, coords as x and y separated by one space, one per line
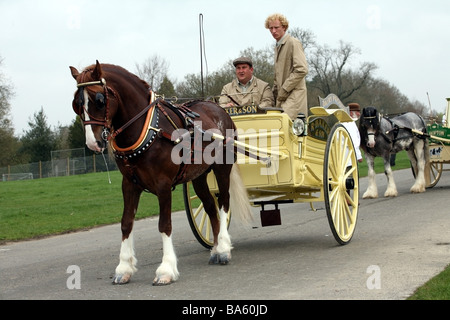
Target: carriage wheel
198 218
435 172
341 184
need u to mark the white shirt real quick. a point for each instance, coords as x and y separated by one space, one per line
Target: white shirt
352 129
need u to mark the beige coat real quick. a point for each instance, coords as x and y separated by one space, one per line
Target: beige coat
259 93
291 69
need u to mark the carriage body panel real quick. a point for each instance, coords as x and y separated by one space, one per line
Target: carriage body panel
295 170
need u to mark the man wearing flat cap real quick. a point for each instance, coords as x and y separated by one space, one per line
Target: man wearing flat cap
246 89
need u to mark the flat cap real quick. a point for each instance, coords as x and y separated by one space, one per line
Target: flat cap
242 60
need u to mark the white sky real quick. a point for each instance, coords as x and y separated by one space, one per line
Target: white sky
40 39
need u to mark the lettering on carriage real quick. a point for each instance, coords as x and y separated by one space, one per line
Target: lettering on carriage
319 129
241 110
436 152
374 280
74 280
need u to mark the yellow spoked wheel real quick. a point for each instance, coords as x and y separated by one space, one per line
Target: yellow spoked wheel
341 184
198 218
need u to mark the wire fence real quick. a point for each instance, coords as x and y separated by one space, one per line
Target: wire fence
62 164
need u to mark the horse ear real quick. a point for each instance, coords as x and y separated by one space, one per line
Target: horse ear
74 72
97 73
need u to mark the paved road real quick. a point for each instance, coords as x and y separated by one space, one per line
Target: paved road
398 245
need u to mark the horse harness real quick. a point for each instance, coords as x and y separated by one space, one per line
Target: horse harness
395 130
150 129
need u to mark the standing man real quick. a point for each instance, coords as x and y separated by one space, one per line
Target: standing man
246 89
291 68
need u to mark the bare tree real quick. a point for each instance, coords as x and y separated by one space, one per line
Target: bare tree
6 93
330 71
306 37
153 70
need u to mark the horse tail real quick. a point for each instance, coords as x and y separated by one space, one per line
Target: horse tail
426 146
426 150
239 202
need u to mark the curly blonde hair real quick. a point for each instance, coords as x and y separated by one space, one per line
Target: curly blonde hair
277 16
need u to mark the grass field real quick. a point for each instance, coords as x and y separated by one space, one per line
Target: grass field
37 208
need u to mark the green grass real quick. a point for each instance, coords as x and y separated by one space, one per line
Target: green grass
438 288
36 208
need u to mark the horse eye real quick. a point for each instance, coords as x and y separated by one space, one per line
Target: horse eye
100 100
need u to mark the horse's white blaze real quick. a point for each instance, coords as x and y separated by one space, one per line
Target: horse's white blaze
168 270
128 261
91 142
371 138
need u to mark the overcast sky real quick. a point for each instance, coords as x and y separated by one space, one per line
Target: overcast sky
40 39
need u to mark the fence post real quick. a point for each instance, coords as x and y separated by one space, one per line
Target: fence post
95 168
40 169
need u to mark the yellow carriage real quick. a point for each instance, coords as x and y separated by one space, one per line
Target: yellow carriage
283 161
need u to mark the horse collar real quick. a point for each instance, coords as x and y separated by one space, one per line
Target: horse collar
146 139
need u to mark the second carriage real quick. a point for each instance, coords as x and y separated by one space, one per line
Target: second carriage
439 146
283 161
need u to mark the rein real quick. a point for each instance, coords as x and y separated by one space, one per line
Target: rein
106 135
151 123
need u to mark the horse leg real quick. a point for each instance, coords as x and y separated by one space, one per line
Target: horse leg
221 251
221 254
127 264
167 271
391 190
372 191
419 156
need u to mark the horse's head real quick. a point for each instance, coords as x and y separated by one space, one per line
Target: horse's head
369 125
91 103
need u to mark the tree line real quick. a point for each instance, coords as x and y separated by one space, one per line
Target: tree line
331 70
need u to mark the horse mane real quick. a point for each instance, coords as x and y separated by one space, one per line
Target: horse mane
111 68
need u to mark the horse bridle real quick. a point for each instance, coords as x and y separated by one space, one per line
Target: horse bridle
106 133
93 120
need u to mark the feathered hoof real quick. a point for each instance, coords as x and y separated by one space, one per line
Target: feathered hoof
419 189
220 258
162 281
121 278
368 195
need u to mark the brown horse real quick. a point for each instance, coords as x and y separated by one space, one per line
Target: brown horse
146 135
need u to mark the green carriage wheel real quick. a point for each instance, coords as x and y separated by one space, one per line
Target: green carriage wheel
341 184
198 218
